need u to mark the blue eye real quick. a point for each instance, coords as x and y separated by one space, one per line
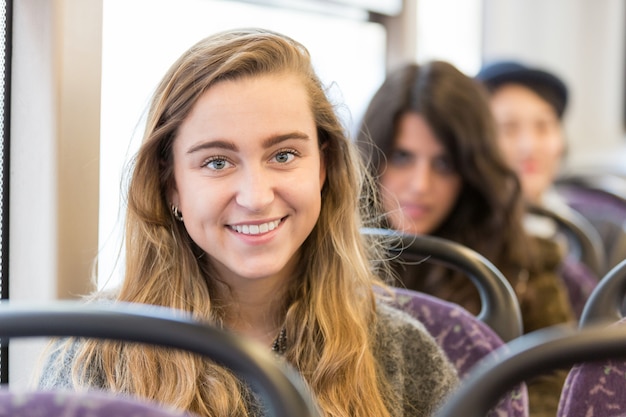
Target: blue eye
217 163
285 156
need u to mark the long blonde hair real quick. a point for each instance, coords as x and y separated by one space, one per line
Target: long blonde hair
330 308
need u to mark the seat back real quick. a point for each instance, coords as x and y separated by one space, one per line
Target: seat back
465 340
528 356
579 282
604 205
584 241
463 337
78 404
280 386
605 304
595 389
598 388
499 306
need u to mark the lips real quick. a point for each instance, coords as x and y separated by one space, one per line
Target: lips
415 210
255 229
529 166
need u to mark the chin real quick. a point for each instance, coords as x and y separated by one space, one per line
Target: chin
258 272
418 230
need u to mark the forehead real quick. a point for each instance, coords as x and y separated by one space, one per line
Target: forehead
250 106
517 97
413 131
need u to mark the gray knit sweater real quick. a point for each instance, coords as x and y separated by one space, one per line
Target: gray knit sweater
419 372
417 368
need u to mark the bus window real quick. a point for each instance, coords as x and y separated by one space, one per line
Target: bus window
453 37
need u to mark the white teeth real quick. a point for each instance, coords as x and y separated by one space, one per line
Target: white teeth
255 229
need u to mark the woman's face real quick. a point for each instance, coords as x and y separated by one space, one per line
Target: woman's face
248 176
419 184
530 137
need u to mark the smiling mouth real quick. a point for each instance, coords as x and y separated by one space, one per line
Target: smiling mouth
255 229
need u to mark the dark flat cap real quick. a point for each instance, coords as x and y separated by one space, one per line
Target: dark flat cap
498 73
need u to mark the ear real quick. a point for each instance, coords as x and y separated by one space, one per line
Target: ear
172 195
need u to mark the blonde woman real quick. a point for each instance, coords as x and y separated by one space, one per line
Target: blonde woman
243 209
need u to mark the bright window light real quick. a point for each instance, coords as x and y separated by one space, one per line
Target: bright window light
450 30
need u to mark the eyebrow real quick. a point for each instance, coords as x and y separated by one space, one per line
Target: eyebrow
230 146
275 140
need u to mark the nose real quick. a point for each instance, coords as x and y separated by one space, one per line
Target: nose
527 140
255 189
421 178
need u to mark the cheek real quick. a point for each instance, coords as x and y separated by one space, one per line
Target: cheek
179 184
390 187
392 180
451 188
182 193
300 192
388 200
555 147
508 147
196 197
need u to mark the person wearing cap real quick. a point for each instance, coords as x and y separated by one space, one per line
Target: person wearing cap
528 104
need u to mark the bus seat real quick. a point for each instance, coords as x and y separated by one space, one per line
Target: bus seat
78 404
606 302
281 388
499 306
465 340
599 388
584 243
528 356
579 282
595 389
605 210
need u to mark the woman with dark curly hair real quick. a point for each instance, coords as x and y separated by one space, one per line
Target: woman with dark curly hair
429 137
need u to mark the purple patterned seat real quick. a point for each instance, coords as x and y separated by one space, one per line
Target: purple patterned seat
599 388
465 340
579 281
606 211
78 404
595 389
536 353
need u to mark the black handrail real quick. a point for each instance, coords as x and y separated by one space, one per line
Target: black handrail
277 383
605 303
499 306
531 355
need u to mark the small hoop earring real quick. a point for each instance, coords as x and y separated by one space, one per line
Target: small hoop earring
177 214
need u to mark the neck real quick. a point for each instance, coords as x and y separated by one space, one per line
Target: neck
255 310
